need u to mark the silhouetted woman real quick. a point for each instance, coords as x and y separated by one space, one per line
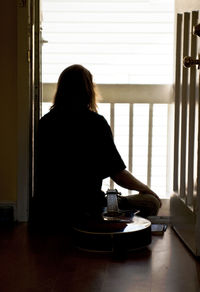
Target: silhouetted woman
76 152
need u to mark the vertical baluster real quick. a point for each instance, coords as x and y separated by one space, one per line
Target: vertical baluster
177 100
192 97
130 154
150 144
112 125
184 107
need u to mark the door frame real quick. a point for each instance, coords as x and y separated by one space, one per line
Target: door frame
24 109
25 100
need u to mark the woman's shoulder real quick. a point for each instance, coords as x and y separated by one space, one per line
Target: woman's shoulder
47 122
96 116
88 116
50 116
97 122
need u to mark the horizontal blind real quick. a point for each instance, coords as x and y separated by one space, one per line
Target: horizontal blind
120 42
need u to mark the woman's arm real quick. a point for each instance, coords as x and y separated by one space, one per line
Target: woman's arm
126 180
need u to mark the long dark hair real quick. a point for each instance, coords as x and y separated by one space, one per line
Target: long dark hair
75 90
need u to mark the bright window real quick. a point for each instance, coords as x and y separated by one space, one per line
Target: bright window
128 47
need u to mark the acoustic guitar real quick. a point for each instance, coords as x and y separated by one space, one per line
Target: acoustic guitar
117 231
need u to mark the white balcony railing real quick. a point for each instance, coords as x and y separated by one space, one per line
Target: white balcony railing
142 129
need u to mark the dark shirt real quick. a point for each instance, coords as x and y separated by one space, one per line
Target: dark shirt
76 152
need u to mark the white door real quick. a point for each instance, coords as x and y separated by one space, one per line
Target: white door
185 203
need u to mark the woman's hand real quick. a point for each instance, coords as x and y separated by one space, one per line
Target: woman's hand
126 180
150 192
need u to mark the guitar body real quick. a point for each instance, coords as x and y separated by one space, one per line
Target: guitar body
113 236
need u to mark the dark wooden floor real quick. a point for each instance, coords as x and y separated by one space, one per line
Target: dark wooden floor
50 263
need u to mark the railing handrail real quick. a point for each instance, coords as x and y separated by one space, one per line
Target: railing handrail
124 93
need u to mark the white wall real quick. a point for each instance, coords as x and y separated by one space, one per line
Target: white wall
8 102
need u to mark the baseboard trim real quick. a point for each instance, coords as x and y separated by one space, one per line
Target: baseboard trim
7 212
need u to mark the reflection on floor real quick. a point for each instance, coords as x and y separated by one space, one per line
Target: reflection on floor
51 263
